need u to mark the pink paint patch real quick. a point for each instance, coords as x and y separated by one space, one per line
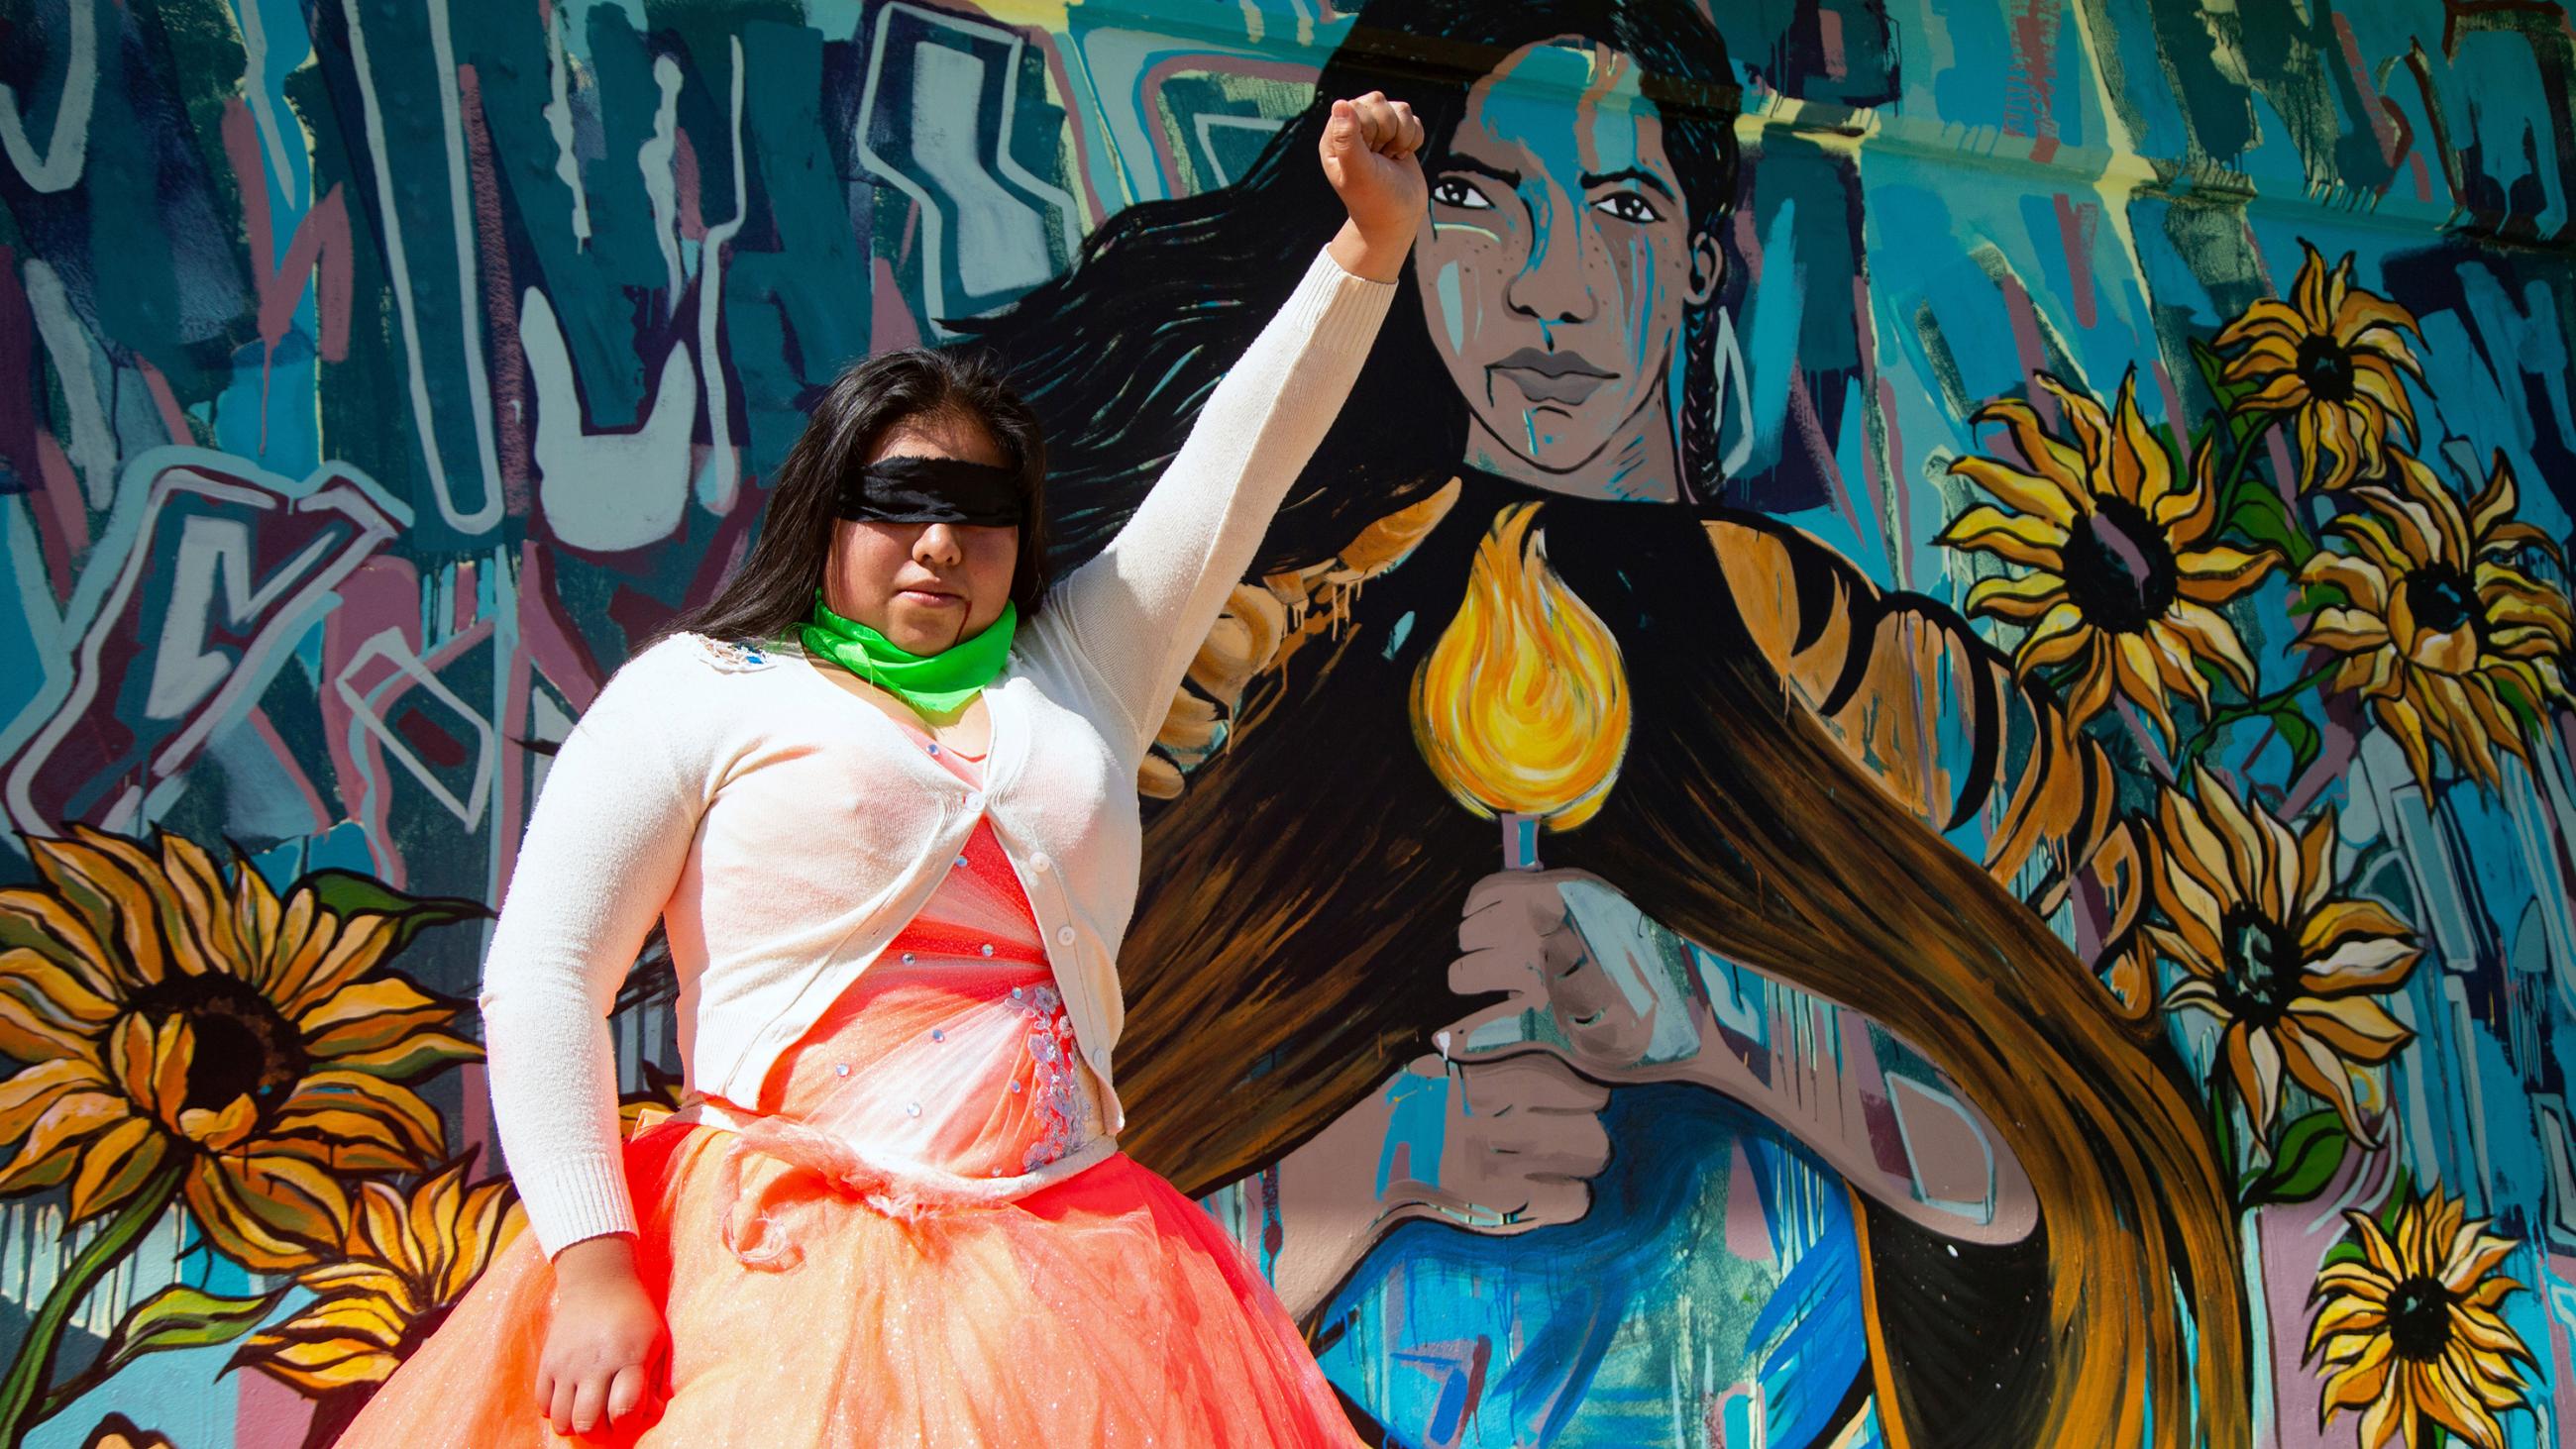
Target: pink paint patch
2077 228
2359 70
684 177
269 1412
2558 1288
2030 106
890 323
2027 350
173 416
474 1125
508 364
1829 41
462 598
2292 1255
68 539
1748 1231
2164 385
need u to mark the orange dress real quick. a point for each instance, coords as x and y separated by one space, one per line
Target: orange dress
830 1278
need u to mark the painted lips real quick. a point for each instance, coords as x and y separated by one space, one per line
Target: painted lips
1551 377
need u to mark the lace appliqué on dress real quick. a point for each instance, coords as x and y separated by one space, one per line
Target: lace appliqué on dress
732 656
1053 1083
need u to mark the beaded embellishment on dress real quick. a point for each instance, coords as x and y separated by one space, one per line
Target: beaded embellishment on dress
1056 1091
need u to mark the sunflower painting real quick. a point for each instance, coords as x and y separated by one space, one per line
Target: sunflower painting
183 1033
410 1257
2292 969
2439 624
179 1025
2407 1328
2335 360
2121 573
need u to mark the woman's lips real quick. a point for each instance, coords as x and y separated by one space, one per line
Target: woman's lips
930 598
1551 377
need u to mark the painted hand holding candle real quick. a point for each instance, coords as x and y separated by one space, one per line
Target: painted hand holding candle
1522 712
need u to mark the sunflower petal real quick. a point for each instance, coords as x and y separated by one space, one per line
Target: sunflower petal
73 1119
122 1159
2026 493
2358 1028
2016 537
270 1214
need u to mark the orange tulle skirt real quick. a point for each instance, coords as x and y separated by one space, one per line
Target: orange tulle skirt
1107 1310
814 1300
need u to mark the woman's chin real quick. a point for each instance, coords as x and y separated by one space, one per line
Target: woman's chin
928 633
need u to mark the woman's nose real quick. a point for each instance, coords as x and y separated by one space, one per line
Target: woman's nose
1551 285
938 545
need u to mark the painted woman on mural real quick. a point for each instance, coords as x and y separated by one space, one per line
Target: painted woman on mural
1968 1195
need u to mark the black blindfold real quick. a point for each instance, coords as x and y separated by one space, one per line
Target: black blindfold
933 490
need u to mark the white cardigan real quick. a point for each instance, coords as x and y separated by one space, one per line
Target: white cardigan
785 831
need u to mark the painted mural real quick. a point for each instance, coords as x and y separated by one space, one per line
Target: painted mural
1904 779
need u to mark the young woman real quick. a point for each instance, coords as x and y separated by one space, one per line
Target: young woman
1543 393
879 794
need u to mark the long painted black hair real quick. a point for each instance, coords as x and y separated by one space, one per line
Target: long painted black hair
1285 955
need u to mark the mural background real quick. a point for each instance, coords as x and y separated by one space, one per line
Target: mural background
373 375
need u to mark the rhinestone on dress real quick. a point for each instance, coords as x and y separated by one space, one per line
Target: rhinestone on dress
986 948
937 1034
912 1109
840 1069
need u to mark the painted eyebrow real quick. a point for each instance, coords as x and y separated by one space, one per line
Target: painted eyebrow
1630 174
1481 168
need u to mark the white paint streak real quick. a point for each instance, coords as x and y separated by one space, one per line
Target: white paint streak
658 158
263 105
67 147
606 491
558 114
724 470
93 442
184 671
398 271
365 718
469 296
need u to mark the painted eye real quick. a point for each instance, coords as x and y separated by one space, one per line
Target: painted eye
1457 191
1628 206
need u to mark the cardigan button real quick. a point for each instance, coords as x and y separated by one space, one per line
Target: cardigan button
1041 863
1064 935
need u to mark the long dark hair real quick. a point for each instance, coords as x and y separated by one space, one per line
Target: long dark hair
773 591
1301 947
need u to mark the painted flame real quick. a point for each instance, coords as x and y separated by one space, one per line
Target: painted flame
1522 706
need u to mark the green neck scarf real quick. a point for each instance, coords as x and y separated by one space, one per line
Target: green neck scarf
931 683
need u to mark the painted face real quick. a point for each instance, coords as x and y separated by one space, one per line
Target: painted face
1556 262
925 586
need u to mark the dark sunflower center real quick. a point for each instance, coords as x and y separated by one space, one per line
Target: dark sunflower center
2262 967
2326 366
2119 569
243 1046
2419 1319
2441 599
